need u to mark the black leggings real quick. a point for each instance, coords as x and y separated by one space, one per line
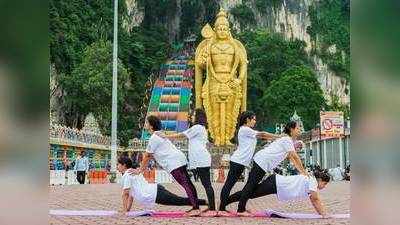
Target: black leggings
255 176
165 197
235 171
204 173
267 187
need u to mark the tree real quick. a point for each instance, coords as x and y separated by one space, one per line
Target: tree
330 26
90 84
269 56
297 89
336 105
77 24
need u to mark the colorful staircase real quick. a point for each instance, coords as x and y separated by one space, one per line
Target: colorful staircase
170 97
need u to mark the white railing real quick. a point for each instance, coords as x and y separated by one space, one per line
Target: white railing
77 136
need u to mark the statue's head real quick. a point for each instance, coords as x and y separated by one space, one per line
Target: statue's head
221 25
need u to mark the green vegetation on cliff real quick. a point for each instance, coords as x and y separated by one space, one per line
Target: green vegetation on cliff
79 31
330 26
271 58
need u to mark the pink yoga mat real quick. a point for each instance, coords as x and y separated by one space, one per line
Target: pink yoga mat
168 214
177 214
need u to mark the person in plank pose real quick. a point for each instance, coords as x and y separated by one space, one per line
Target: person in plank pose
291 188
170 159
241 158
136 188
267 159
199 157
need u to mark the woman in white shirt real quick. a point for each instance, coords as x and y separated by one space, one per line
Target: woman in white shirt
199 157
291 188
268 159
135 187
241 158
170 159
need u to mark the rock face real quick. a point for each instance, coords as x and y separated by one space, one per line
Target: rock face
135 15
56 94
288 17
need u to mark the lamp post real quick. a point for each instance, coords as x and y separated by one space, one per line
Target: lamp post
114 96
319 142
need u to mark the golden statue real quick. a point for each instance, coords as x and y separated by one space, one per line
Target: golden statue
223 59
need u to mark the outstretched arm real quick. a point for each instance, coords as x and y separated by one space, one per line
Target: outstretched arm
295 159
317 203
267 136
171 136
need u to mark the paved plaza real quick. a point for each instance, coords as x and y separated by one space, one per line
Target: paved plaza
108 197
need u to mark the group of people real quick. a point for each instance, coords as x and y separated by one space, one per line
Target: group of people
163 151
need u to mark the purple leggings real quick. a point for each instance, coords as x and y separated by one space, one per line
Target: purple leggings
182 177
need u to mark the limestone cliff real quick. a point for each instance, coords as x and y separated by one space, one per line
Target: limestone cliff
291 18
288 17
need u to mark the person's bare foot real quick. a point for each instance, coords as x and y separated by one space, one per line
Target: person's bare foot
245 214
224 213
209 213
193 212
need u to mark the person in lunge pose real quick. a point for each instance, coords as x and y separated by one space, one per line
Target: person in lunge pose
136 188
170 159
199 157
241 158
267 159
291 188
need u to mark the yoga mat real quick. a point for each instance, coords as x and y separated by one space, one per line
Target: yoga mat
177 214
65 212
276 214
168 214
140 213
256 214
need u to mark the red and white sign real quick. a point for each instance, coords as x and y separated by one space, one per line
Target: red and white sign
332 124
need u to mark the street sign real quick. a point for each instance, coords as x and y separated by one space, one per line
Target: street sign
332 124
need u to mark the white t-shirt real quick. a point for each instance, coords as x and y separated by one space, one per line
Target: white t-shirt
247 144
143 193
165 153
198 139
295 187
269 157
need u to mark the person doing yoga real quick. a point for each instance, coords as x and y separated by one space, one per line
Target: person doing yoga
199 157
170 159
136 188
291 188
241 158
268 158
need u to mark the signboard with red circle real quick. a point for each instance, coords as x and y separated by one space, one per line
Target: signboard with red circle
332 124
